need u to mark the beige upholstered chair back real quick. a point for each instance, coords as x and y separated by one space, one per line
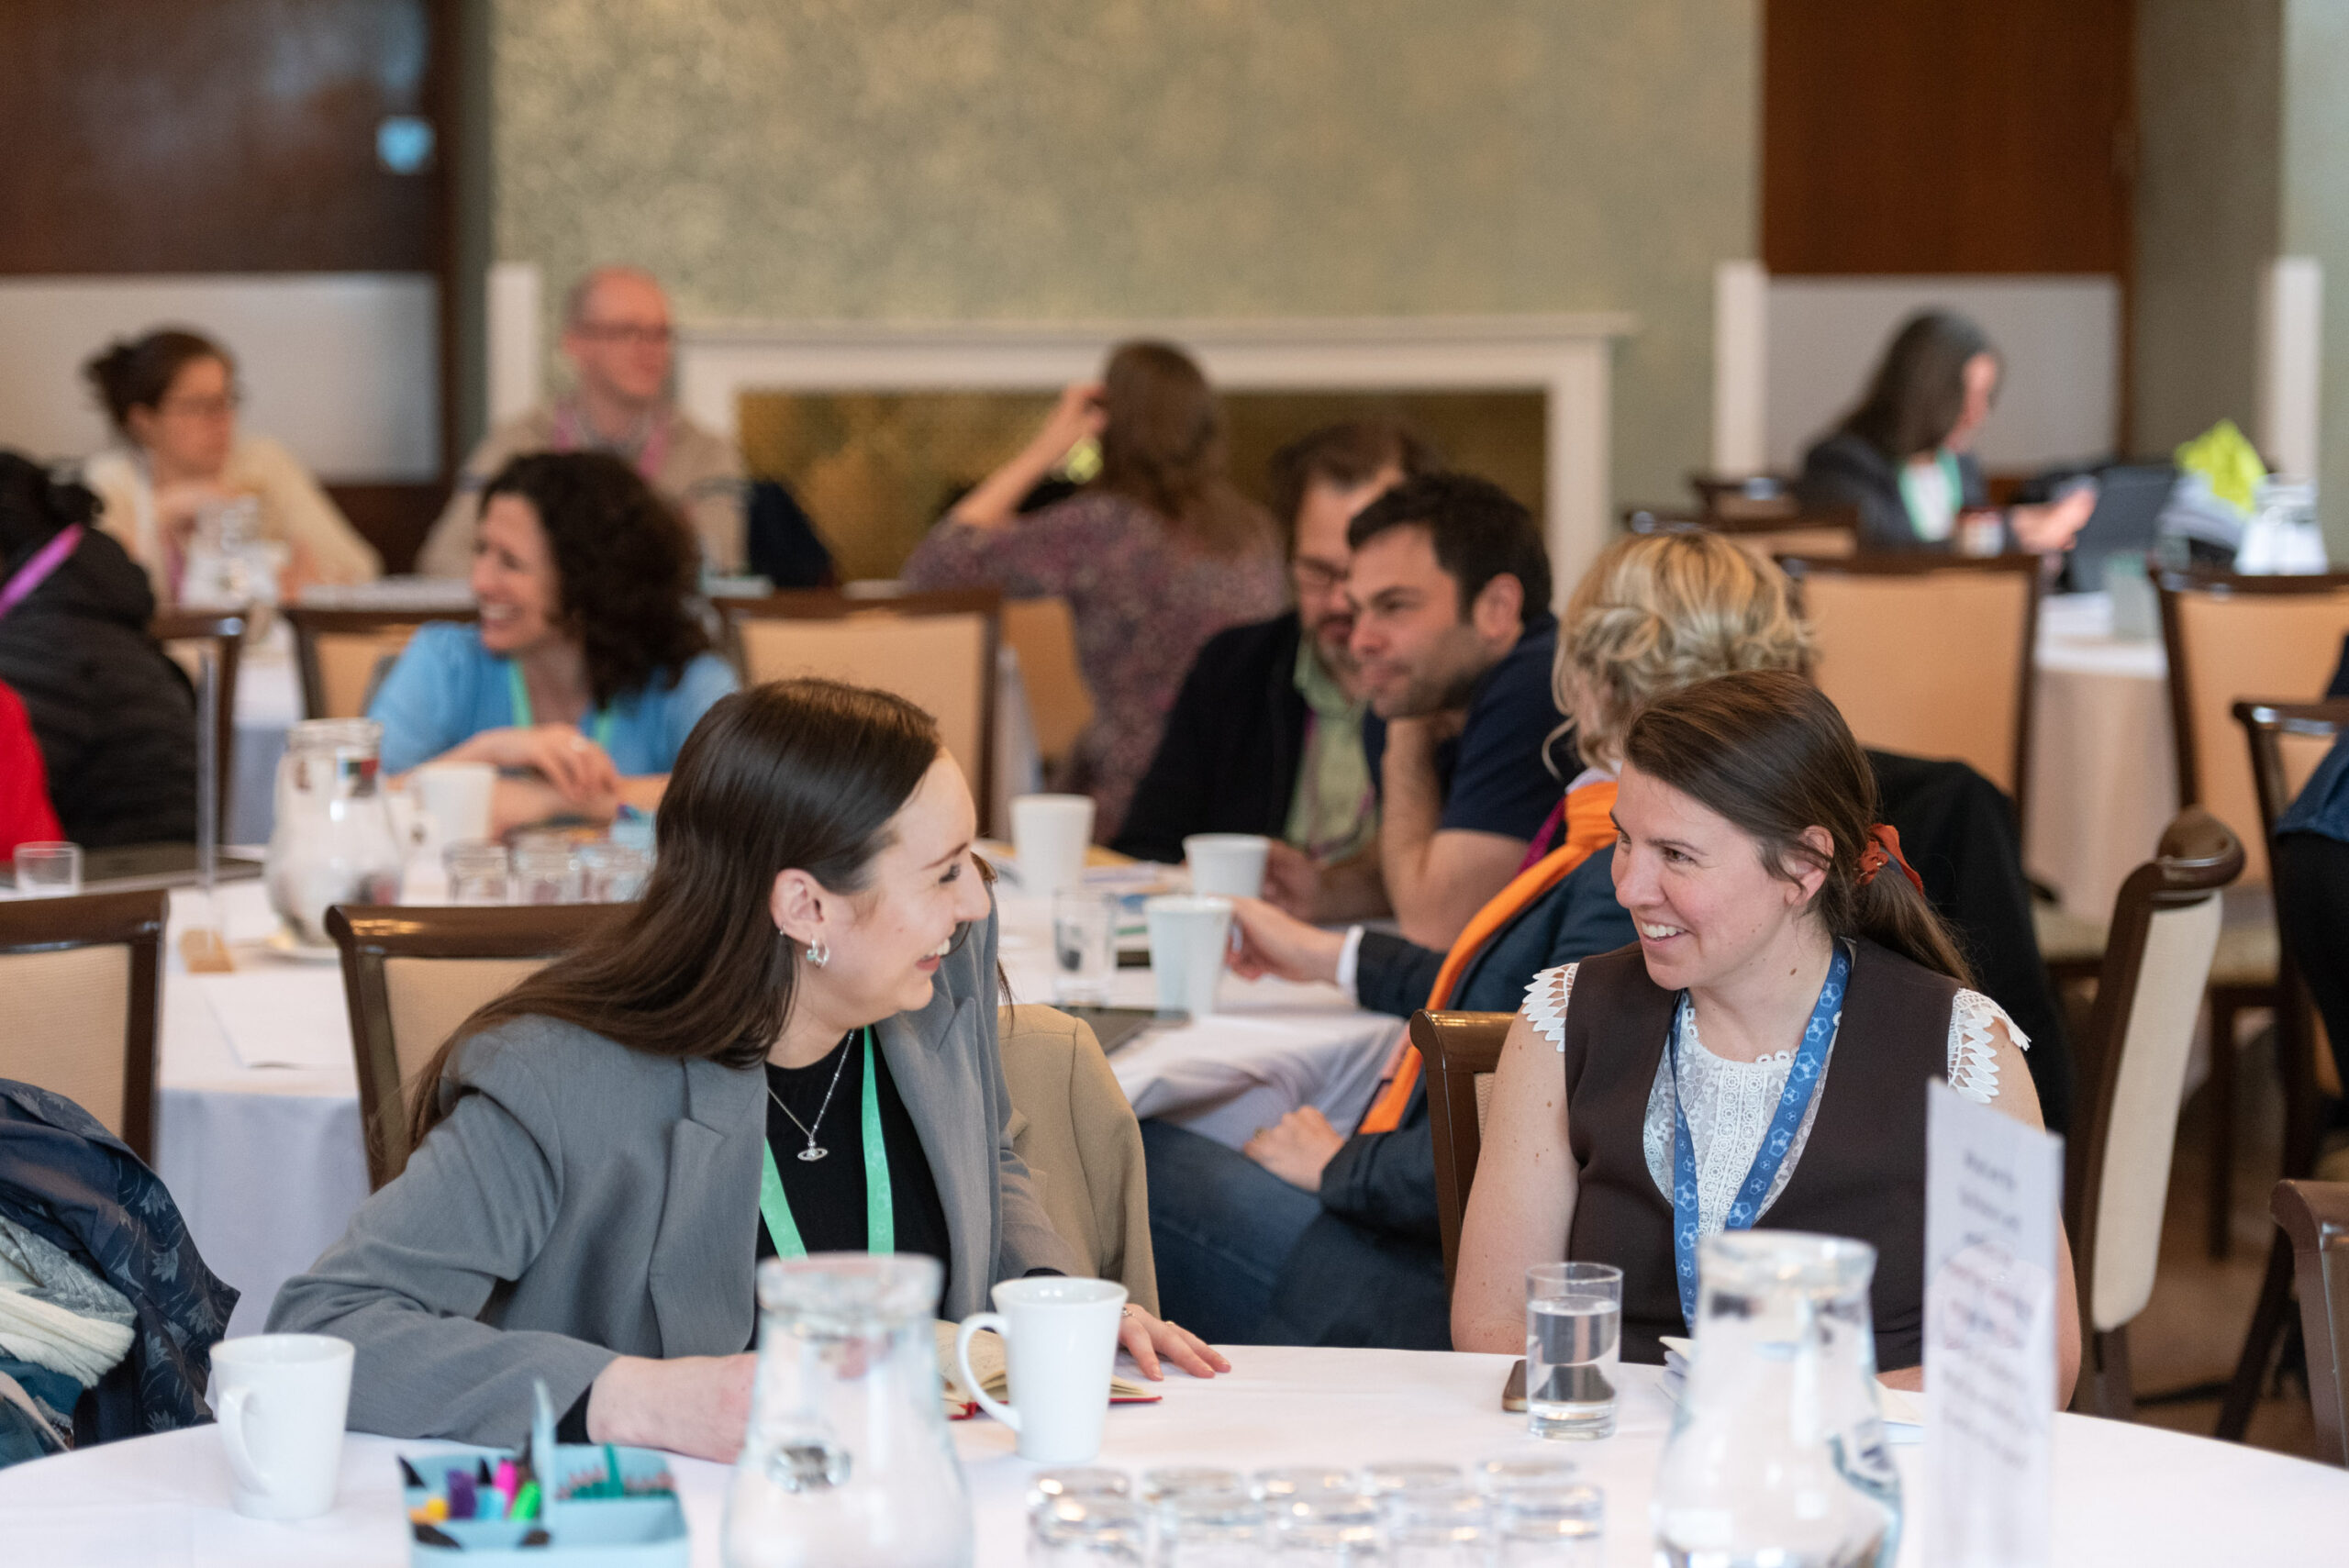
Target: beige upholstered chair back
1075 1132
1931 657
338 651
2164 932
1459 1052
1043 633
411 975
2229 638
937 651
1823 543
79 982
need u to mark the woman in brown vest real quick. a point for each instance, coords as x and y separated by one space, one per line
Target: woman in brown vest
1774 912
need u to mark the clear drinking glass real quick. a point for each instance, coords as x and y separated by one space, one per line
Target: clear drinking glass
1327 1529
1778 1451
1183 1480
1498 1477
1221 1528
546 871
1284 1482
1077 1481
1407 1476
611 873
1551 1527
1438 1526
50 869
1573 1348
479 873
1095 1530
1085 946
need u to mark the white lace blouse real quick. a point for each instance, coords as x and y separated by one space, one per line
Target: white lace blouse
1730 1104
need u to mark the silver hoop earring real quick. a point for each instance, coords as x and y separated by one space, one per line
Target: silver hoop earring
820 954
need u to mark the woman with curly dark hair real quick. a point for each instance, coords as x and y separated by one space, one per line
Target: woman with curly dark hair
589 664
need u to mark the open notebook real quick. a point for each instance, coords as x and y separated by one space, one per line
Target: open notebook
995 1375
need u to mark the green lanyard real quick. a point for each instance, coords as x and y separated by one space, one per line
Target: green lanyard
1946 461
519 692
880 1212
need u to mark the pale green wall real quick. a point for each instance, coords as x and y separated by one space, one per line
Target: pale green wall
1093 159
2210 115
2316 219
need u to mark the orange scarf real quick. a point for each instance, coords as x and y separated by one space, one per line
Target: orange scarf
1589 827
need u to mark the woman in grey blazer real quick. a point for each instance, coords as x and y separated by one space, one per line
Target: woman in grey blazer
789 1047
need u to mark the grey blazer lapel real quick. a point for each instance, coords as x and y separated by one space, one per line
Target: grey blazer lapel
950 1112
700 1273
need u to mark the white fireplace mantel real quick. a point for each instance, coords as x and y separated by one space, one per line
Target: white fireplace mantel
1566 357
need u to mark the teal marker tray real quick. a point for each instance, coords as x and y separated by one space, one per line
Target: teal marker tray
642 1532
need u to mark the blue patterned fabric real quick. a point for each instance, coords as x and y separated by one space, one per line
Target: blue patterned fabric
68 1179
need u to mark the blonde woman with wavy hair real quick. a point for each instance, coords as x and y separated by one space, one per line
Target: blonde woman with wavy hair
1309 1236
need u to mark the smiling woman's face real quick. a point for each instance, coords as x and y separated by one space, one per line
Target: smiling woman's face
1695 885
886 940
515 584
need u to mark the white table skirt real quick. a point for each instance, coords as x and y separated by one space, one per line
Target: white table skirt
2103 773
2126 1496
267 1164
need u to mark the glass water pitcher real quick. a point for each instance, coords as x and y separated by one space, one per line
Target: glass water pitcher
332 841
846 1460
1778 1453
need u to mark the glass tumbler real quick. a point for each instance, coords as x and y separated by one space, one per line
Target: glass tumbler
1216 1529
1573 1348
1327 1529
1551 1527
1407 1475
1097 1529
611 873
1438 1526
546 871
479 873
49 870
1085 946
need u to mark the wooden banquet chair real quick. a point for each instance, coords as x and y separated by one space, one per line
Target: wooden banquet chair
2314 1217
186 635
1074 1129
2165 930
81 981
1931 655
2286 742
2227 638
411 975
342 654
1059 705
935 650
1816 534
1461 1052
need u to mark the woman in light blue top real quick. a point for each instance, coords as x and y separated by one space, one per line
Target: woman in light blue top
588 666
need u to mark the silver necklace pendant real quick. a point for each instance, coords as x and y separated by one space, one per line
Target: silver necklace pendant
811 1154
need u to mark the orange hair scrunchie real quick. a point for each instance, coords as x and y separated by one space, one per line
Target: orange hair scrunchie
1884 849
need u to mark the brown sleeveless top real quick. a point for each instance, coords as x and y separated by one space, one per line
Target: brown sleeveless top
1861 1173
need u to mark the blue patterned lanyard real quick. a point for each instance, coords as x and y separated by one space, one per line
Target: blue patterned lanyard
1803 1082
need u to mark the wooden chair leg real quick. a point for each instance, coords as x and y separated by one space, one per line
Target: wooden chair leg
2259 1344
2224 1066
2113 1395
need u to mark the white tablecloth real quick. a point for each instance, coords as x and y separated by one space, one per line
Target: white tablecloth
2126 1496
257 1125
2103 772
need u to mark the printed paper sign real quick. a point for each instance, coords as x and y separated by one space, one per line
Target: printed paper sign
1993 1196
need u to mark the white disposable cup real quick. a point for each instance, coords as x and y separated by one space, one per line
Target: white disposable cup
1049 836
1227 865
456 795
281 1400
1187 936
1060 1340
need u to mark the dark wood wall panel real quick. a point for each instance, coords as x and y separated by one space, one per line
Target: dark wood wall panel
177 136
1947 135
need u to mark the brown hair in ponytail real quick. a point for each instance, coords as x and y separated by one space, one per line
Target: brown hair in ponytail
1766 751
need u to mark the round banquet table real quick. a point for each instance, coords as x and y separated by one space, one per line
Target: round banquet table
257 1113
2127 1496
2103 772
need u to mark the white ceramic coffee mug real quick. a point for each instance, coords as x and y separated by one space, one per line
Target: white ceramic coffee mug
456 795
1227 865
1048 836
1187 936
1060 1340
281 1400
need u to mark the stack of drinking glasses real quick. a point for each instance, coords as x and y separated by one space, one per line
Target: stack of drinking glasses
1511 1513
546 868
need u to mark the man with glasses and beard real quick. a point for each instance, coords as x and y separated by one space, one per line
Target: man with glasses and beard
1267 734
617 335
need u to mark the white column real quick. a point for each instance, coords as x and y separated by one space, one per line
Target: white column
2291 363
1740 368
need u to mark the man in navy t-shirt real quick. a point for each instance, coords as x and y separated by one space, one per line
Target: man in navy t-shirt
1454 641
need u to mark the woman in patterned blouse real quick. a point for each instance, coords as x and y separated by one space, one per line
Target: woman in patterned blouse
1156 555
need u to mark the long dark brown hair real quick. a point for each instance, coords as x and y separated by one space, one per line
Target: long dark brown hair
1163 445
1765 750
1919 388
625 568
796 774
